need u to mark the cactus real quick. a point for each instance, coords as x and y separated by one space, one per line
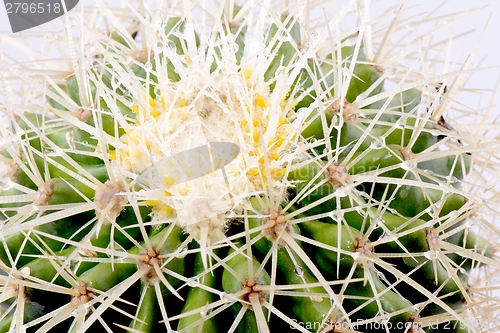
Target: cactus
348 195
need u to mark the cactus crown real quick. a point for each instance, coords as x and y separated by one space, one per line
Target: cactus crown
242 170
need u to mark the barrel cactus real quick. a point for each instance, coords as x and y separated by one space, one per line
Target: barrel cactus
223 168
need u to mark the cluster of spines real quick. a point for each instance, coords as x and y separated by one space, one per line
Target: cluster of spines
360 190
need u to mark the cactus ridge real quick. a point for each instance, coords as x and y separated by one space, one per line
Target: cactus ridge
351 205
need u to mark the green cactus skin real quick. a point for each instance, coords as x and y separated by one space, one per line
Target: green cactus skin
147 314
235 283
198 298
328 260
105 275
315 310
351 200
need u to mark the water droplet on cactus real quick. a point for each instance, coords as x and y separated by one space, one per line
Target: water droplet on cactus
282 154
379 222
281 70
183 252
171 45
452 215
120 259
299 271
392 210
342 192
431 254
469 223
148 66
451 179
388 237
192 282
428 172
235 47
377 143
90 48
291 115
390 72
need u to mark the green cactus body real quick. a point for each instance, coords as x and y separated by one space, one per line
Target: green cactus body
315 310
148 310
245 280
341 239
198 298
341 201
